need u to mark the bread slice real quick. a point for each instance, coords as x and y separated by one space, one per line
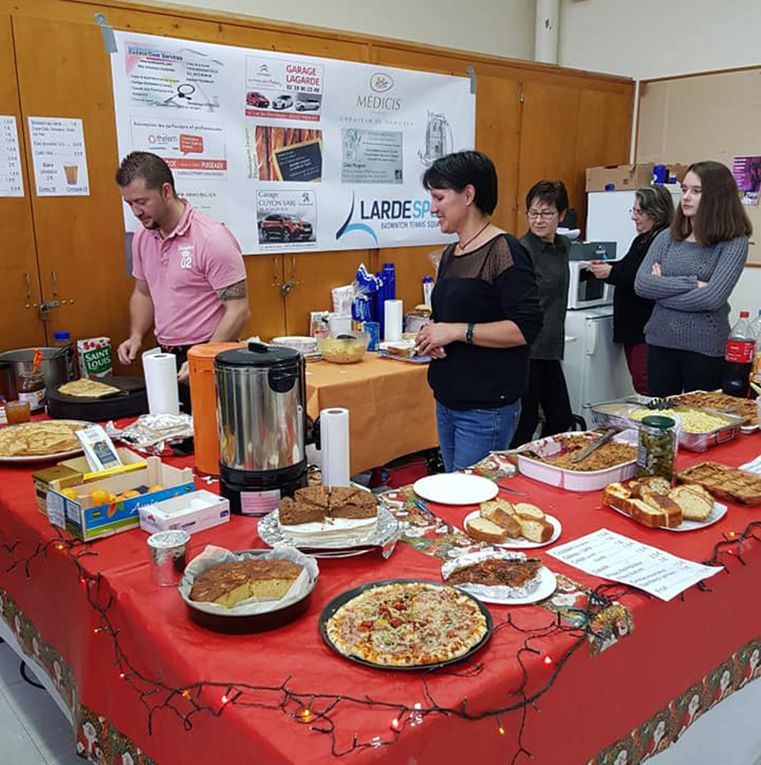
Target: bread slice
694 505
525 510
485 531
537 530
499 511
672 512
615 494
698 489
653 484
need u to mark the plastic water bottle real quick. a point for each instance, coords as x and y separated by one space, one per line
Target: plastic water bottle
427 289
741 347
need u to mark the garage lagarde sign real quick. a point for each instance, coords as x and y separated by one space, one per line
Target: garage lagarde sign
292 153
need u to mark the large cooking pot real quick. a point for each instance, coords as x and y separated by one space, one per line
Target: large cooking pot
54 367
7 382
261 408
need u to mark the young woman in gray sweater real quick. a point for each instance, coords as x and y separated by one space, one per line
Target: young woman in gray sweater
689 271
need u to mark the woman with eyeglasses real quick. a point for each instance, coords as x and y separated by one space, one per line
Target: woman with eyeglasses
652 212
690 271
546 205
485 314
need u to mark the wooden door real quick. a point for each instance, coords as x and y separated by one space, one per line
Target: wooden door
548 140
64 71
20 325
602 135
498 124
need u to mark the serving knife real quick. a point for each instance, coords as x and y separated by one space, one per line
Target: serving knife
587 450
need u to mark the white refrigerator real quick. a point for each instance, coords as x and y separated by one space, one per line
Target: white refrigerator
594 366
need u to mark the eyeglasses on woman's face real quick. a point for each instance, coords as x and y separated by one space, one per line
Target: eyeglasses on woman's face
543 214
636 211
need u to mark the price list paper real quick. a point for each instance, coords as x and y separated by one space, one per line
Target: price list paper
613 556
11 181
58 153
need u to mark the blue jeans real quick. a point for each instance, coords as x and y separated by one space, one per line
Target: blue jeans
468 435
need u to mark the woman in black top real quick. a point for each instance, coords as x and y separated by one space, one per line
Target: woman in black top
485 314
652 212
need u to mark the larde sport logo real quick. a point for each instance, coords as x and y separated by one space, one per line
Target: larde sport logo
348 226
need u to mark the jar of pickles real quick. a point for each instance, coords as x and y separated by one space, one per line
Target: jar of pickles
657 447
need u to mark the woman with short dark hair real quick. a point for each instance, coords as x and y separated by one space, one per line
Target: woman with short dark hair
690 271
485 314
546 205
652 212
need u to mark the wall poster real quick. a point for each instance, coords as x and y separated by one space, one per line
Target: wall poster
292 153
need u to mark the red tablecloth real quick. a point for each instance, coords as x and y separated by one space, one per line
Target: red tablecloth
594 702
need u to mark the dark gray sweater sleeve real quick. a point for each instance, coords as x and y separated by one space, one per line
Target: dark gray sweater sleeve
658 287
731 261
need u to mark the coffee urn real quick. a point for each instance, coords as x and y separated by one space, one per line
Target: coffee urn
261 416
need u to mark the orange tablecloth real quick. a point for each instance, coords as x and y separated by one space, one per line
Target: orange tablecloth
391 407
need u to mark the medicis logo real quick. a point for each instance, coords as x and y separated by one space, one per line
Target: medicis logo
369 216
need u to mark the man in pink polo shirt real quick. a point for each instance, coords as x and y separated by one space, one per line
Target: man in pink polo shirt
190 281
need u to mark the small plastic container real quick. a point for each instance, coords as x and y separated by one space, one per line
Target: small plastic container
657 447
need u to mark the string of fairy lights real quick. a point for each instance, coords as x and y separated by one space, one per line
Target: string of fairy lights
317 709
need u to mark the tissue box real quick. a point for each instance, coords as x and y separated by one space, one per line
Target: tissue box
86 521
192 512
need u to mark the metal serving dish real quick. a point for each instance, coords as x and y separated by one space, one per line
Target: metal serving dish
617 414
241 623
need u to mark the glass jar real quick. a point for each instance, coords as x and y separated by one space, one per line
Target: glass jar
17 412
31 389
657 447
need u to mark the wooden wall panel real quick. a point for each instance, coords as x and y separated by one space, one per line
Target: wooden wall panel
63 71
602 135
314 275
19 322
548 140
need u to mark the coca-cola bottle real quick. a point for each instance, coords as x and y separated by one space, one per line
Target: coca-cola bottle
741 345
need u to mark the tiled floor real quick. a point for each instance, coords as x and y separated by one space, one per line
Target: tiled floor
33 730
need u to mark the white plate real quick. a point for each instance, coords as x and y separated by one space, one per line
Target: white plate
520 543
455 489
547 585
718 512
45 457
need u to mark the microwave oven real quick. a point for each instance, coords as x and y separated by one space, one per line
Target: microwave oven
584 289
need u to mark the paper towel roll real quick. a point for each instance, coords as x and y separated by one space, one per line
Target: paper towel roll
334 438
161 383
393 317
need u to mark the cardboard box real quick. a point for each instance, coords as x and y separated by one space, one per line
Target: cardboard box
64 474
130 461
622 177
76 471
86 521
94 355
192 512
